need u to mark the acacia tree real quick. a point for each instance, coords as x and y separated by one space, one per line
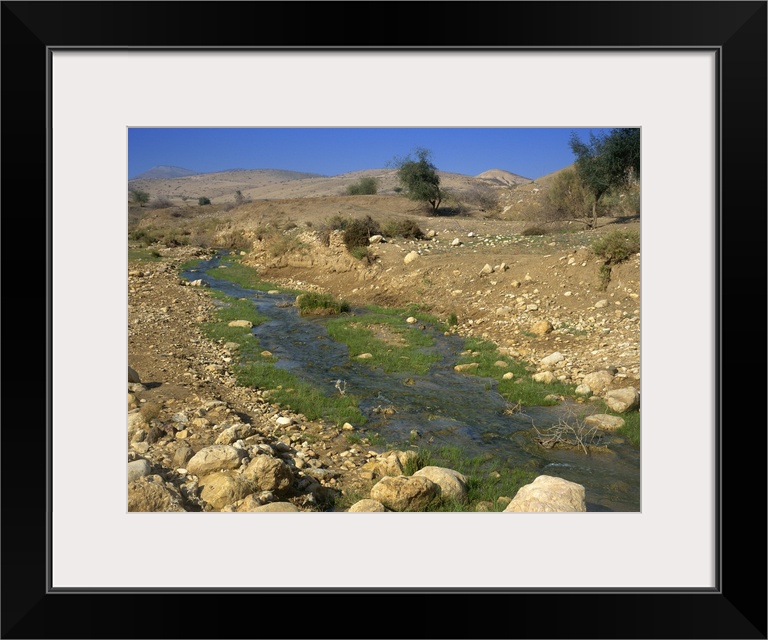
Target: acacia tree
606 161
419 179
139 197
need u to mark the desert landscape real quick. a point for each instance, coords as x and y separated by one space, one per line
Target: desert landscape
488 267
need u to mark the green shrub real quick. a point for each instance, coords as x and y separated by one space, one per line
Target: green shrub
203 201
365 186
405 228
139 197
144 236
614 247
361 253
358 232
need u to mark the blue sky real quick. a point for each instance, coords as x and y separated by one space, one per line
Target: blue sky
528 152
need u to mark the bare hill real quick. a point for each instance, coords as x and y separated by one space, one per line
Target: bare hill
276 184
503 178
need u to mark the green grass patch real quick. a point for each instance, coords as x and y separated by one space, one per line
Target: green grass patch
251 369
396 347
488 478
143 254
418 311
314 303
631 428
294 394
526 392
189 264
233 270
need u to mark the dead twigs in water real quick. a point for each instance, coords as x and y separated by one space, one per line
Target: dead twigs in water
569 433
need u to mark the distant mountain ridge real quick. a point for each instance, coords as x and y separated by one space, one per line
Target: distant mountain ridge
165 171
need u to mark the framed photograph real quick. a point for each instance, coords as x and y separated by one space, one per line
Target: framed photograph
692 76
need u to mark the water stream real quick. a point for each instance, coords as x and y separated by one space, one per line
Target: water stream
446 408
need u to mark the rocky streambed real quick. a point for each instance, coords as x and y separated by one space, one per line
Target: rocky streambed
198 442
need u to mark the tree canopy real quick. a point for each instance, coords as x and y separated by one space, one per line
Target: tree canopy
606 161
419 178
139 197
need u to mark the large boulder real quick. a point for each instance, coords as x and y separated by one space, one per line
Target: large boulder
222 488
217 457
367 506
138 469
269 474
453 485
598 381
623 400
548 494
405 493
278 507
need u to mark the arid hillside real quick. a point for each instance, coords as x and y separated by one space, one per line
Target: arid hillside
261 184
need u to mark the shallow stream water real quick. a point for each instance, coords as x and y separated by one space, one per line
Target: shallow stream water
445 407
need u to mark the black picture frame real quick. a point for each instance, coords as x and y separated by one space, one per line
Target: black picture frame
735 609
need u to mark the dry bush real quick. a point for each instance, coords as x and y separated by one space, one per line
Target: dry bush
160 202
150 411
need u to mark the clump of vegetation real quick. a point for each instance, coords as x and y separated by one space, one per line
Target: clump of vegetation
161 202
143 236
150 411
284 243
240 198
423 458
362 253
233 238
202 201
367 186
569 199
314 303
143 254
358 231
614 247
482 198
404 228
533 231
139 197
